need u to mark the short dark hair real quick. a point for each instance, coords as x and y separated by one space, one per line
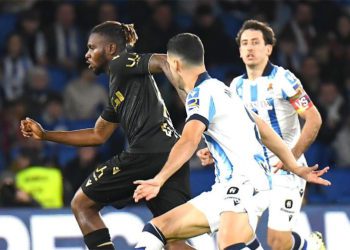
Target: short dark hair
121 34
268 34
188 46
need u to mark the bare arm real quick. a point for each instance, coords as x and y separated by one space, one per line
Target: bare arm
157 64
83 137
182 150
271 140
180 153
309 132
278 147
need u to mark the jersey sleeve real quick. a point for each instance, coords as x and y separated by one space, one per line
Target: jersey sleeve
109 114
200 106
236 86
293 91
290 84
130 64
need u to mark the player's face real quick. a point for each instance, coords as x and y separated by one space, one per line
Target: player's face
253 49
96 55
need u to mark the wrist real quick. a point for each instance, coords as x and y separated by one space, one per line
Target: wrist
296 153
44 135
160 179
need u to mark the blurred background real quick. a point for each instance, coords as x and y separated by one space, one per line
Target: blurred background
43 75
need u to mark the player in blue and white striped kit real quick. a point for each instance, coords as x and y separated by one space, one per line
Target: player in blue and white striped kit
241 190
279 98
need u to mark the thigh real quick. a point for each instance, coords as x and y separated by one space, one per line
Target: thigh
234 228
111 183
175 192
182 222
284 208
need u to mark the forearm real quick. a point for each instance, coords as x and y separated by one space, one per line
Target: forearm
81 138
277 146
307 136
180 153
158 63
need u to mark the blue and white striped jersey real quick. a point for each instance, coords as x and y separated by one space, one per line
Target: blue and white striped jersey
269 96
231 135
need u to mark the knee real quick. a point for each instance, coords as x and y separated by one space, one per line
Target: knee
279 240
74 204
77 204
166 226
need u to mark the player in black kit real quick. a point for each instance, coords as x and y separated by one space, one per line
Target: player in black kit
136 105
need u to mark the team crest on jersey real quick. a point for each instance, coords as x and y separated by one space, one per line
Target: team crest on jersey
270 87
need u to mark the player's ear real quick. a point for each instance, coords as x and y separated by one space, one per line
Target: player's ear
112 49
269 49
177 64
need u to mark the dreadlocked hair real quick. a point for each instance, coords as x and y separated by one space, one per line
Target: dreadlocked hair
122 34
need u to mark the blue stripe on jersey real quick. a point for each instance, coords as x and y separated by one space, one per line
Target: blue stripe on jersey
263 162
223 156
254 95
254 92
239 87
284 95
275 125
257 134
273 117
212 109
273 72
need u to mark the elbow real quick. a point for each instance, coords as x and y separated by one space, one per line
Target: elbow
99 140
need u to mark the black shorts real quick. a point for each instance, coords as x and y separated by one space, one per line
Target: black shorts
112 184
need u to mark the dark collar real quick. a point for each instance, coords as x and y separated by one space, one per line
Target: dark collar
267 71
201 78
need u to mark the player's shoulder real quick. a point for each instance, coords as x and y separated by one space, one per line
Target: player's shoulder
238 79
124 60
208 86
284 73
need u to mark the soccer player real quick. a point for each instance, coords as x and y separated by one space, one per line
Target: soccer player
136 105
279 98
241 191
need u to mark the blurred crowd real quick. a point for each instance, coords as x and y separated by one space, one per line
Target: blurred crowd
43 75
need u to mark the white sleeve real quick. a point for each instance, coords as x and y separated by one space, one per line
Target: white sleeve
290 84
200 105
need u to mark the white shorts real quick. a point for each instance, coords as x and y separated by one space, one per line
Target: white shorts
238 195
286 199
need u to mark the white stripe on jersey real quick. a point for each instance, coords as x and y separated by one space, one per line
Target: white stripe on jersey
269 96
231 135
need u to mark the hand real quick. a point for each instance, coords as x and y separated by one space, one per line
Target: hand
310 174
31 128
279 165
146 189
205 157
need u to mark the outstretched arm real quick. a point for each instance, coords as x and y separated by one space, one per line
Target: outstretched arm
179 154
157 64
83 137
278 147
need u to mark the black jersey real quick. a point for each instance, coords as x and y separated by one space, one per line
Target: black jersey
136 103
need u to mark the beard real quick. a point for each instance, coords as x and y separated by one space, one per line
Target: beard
102 65
98 70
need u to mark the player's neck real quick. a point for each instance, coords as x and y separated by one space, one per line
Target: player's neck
256 71
190 77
